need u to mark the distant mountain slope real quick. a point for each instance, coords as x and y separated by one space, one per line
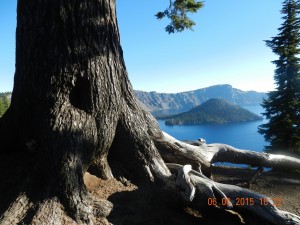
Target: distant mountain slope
213 111
187 100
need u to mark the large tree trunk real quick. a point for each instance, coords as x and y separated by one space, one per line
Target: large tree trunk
71 100
73 110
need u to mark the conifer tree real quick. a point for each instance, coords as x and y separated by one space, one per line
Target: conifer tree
282 107
1 107
4 103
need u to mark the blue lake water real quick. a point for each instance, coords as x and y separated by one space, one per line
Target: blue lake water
239 135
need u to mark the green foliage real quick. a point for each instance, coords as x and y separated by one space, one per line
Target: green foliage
177 12
1 108
283 105
4 103
213 111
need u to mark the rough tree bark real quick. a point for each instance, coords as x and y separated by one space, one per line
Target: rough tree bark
73 108
71 100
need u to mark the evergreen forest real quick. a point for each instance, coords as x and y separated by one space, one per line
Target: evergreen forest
4 102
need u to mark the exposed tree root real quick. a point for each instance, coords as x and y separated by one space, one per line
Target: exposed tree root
173 150
16 211
214 194
196 185
52 211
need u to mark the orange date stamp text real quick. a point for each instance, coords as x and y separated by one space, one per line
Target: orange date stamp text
245 201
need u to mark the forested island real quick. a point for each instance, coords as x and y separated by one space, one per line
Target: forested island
213 111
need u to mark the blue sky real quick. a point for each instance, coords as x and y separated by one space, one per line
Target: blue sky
226 46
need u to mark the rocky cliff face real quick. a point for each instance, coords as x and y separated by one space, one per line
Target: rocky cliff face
186 100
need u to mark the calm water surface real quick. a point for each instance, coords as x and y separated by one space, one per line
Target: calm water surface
239 135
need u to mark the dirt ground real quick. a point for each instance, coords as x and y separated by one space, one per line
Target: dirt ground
153 206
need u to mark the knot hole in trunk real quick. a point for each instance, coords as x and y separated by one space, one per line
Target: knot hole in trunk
80 95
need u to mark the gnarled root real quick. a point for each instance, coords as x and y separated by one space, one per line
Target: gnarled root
24 210
175 151
195 184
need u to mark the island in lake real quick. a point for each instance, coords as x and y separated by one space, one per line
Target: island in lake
213 111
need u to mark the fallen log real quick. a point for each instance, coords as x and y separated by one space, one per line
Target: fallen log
173 150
